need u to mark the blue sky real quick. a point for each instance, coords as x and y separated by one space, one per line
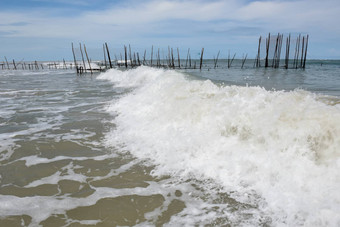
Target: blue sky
44 29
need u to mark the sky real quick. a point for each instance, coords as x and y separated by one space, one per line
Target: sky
45 29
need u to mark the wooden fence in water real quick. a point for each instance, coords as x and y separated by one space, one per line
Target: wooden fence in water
268 55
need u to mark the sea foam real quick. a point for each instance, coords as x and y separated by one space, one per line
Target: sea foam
276 150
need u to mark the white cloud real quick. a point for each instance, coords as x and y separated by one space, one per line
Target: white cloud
139 20
301 15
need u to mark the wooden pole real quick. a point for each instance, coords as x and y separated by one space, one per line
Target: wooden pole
104 56
88 59
82 56
125 51
130 56
144 57
243 61
304 61
232 59
172 58
201 60
287 52
108 55
258 64
74 58
14 65
7 63
275 52
215 62
267 50
64 63
302 51
151 55
179 61
186 62
138 59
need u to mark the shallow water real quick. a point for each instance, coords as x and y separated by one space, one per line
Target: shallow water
160 147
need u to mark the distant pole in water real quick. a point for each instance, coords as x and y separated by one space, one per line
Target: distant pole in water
7 63
179 61
172 58
231 62
244 60
14 65
287 51
74 58
144 57
267 50
151 55
302 51
82 56
304 61
88 59
108 55
130 56
186 62
64 63
258 63
215 60
201 60
125 51
104 56
138 59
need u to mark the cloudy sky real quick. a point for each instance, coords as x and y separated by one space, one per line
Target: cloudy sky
45 29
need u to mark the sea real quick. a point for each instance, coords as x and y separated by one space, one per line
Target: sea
148 146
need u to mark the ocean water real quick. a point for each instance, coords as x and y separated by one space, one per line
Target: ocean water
159 147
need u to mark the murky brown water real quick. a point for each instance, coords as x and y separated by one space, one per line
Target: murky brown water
195 154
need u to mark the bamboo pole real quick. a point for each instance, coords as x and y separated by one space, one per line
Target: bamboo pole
232 60
243 61
215 61
74 58
304 61
179 60
280 47
186 62
14 65
267 50
88 59
130 56
298 51
172 58
228 59
287 52
275 52
82 56
125 50
201 60
138 59
151 55
144 57
7 63
302 51
104 57
108 55
64 63
258 64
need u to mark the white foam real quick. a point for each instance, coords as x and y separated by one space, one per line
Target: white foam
276 150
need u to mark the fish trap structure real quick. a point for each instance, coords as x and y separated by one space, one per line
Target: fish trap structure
270 51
